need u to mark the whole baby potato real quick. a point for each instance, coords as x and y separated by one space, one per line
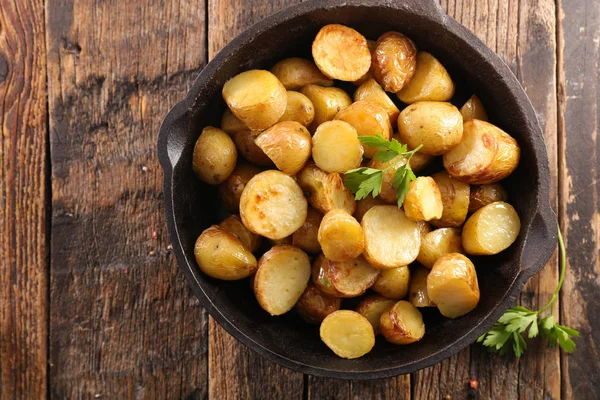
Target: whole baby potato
214 156
288 144
438 243
473 109
299 108
233 224
327 101
393 283
394 61
296 72
247 148
230 191
231 124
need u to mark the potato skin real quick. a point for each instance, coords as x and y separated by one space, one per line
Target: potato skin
482 195
473 109
335 147
340 236
232 124
222 255
230 191
306 237
233 224
341 53
491 229
394 61
347 333
244 142
325 191
393 283
327 101
372 92
402 324
288 144
417 290
313 306
465 161
214 156
371 307
296 72
423 201
343 278
368 119
256 97
431 82
436 125
455 197
438 243
299 108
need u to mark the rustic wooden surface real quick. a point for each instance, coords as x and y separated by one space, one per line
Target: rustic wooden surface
91 302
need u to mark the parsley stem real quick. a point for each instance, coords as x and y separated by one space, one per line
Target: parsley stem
563 269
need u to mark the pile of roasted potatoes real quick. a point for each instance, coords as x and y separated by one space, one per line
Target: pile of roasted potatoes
296 135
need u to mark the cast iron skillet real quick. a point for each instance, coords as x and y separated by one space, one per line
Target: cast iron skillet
192 206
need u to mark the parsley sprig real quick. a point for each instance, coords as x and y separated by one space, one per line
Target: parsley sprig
368 181
506 334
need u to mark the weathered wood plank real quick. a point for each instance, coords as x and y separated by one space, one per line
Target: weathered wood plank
523 34
23 196
123 323
579 101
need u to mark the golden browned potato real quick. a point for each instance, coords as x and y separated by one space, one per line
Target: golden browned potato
452 285
214 156
371 307
343 278
368 119
273 205
393 283
347 333
388 191
232 124
288 144
431 82
423 201
341 53
314 305
391 239
473 109
417 291
436 125
482 195
438 243
486 154
327 102
233 224
230 191
222 255
455 196
364 205
256 97
402 324
372 92
244 142
306 238
296 72
369 75
335 147
491 229
299 108
394 61
325 191
282 276
340 236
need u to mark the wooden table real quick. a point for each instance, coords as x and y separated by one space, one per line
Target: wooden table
92 304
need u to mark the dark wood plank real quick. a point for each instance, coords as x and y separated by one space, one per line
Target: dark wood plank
123 323
523 34
579 102
23 197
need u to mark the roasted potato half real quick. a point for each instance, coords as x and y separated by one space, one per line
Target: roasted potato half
438 243
417 290
299 108
222 255
335 147
364 205
273 205
256 97
491 229
341 53
306 238
402 324
296 72
325 191
314 305
388 191
482 195
244 142
372 92
233 224
431 82
393 283
394 61
214 156
486 154
452 285
282 276
232 124
327 102
340 236
343 278
371 307
391 239
230 191
423 201
347 333
436 125
455 197
368 119
473 109
288 144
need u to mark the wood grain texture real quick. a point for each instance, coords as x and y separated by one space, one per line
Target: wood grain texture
23 195
579 97
123 323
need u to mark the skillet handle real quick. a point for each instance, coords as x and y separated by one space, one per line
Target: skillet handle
540 243
170 145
